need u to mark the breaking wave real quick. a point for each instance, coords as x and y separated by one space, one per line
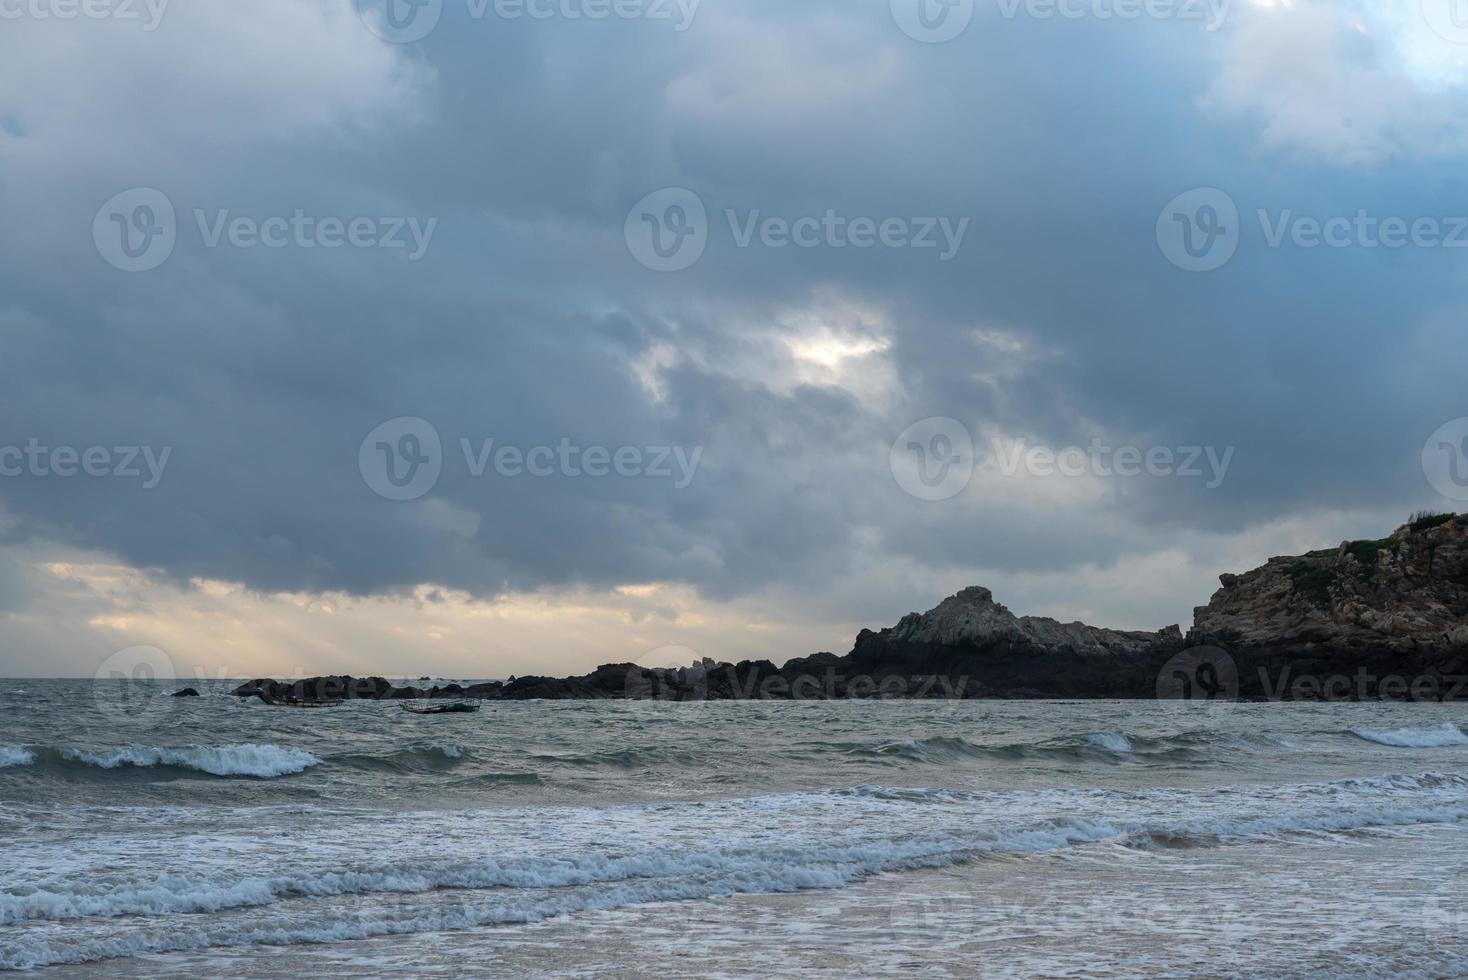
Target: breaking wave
15 755
1111 741
1111 747
258 761
448 892
1443 735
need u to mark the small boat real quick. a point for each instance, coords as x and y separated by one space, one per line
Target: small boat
444 709
293 702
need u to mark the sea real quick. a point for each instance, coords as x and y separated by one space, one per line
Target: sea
148 836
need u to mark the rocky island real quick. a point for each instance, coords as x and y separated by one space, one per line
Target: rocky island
1381 618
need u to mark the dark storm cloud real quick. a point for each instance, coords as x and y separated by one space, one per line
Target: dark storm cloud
528 321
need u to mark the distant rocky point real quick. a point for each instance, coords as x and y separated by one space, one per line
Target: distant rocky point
1403 595
1383 611
1379 618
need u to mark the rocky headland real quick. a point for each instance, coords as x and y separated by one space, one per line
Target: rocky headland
1376 618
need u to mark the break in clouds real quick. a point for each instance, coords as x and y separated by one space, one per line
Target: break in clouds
319 232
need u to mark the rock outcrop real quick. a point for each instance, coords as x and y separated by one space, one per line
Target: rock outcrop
1371 613
1405 594
972 619
341 687
973 640
1374 618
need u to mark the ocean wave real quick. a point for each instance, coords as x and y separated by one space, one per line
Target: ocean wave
435 914
176 894
259 761
415 758
453 895
1111 741
1252 812
1109 747
1442 736
501 779
636 757
15 755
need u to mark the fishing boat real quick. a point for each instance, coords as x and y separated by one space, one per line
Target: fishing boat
294 702
443 709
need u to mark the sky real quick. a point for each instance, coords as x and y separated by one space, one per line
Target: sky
478 338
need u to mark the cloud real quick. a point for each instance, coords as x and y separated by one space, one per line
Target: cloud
790 370
1346 83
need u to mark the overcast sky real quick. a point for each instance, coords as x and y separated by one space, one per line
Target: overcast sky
781 318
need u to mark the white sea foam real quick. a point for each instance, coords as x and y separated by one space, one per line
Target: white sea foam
1443 735
15 755
432 913
261 761
1110 741
456 896
409 839
806 861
